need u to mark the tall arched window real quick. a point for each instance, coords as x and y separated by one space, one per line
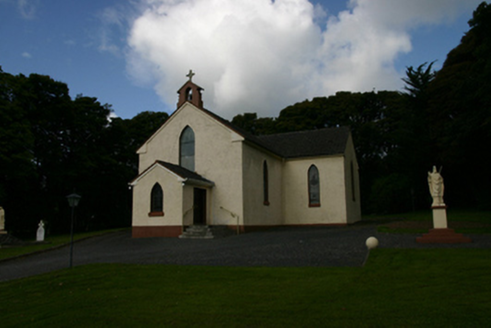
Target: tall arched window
157 201
314 187
186 149
265 184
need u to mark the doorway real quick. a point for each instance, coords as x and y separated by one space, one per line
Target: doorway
199 211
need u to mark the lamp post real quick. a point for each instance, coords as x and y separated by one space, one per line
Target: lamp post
73 200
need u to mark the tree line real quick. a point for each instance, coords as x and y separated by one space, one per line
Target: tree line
443 118
52 145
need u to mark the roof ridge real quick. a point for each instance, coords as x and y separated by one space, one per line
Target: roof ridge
304 131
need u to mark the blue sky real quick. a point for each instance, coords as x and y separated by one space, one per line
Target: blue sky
258 56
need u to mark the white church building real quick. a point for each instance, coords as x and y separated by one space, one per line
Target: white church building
198 169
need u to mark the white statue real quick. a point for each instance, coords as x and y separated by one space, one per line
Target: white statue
40 232
2 219
435 183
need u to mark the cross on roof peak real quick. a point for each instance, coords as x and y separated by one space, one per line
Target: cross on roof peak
190 75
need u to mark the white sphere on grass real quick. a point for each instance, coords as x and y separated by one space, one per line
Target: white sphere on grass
372 242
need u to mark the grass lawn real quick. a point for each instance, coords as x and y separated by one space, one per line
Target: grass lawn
397 287
462 221
50 242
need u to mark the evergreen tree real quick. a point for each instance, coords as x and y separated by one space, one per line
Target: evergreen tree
460 114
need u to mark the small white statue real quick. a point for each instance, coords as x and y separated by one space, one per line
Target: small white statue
2 219
40 231
435 183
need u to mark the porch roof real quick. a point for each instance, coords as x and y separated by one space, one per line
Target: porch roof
184 175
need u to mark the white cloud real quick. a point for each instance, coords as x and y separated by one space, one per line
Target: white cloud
114 22
28 8
106 43
260 56
27 55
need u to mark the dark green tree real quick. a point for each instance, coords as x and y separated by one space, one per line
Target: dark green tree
17 166
414 151
460 114
121 140
37 103
52 145
418 80
251 123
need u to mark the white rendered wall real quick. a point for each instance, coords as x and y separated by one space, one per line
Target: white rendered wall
172 195
256 213
332 209
353 207
218 158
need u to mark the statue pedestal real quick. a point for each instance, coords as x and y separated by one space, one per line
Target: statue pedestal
439 217
441 234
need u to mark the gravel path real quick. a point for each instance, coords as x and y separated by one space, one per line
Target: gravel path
282 247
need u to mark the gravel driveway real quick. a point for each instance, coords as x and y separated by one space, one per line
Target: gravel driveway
281 247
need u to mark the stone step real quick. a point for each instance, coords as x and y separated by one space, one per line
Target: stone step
198 228
206 232
197 232
196 235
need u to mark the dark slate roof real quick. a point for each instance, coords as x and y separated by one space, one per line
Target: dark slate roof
328 141
182 172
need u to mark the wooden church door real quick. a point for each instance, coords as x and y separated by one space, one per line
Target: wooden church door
199 211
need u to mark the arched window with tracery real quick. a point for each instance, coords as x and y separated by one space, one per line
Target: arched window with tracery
314 187
186 149
157 200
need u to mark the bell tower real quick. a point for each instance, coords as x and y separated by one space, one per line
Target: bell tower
190 92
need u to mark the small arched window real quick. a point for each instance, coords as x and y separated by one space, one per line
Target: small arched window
314 187
186 149
265 184
157 201
189 94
